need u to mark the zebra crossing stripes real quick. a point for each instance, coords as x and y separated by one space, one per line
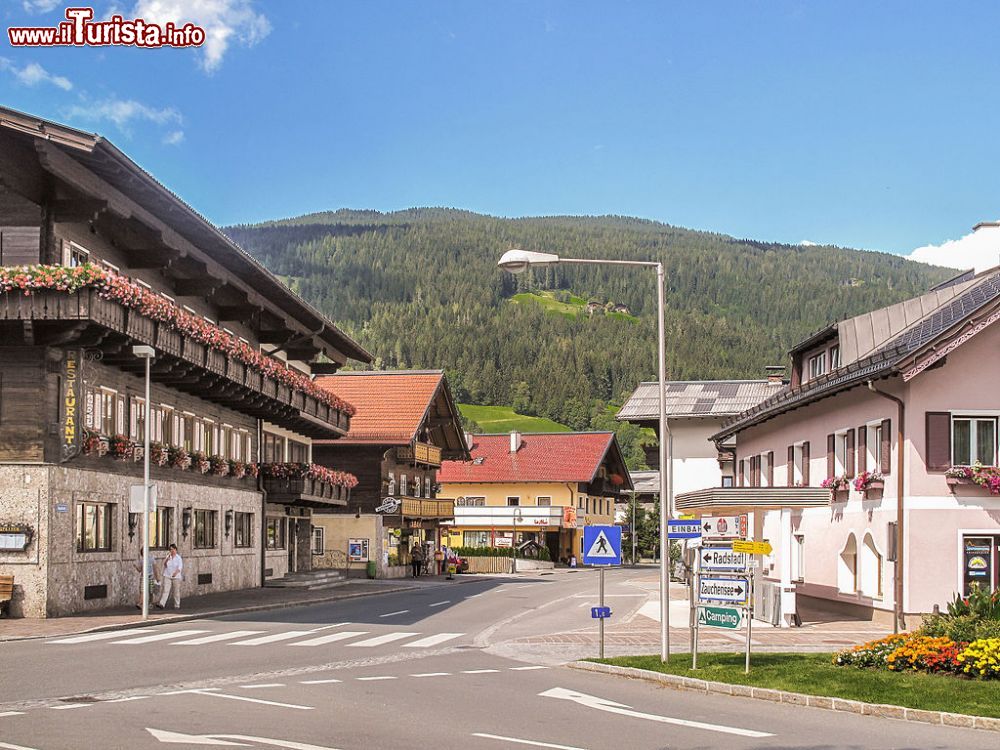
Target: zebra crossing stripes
432 640
218 637
343 635
157 637
105 636
381 640
273 638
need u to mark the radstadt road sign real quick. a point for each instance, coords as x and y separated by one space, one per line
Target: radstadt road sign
752 548
722 558
730 618
724 527
602 545
736 590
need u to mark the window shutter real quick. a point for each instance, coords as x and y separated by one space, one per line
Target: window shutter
863 449
805 463
885 450
849 452
791 466
755 468
831 459
741 472
770 468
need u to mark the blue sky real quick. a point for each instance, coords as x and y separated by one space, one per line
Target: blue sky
859 124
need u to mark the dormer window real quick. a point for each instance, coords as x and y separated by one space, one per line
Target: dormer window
817 365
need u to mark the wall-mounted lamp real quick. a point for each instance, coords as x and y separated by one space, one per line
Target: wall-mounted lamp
229 522
186 521
133 519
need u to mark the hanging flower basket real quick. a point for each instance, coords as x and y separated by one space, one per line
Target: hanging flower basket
839 486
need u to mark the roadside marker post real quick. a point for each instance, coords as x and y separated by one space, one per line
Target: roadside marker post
602 547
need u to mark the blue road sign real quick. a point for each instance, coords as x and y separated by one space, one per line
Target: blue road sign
683 529
600 613
602 545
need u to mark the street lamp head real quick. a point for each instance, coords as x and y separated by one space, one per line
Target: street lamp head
144 352
518 261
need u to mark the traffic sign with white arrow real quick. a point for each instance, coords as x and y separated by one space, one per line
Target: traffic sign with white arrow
602 704
724 527
723 589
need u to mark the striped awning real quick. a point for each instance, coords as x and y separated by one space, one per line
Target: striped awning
746 499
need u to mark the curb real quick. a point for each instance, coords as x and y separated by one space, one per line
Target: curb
212 613
882 710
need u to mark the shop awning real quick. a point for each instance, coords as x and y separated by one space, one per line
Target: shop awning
747 499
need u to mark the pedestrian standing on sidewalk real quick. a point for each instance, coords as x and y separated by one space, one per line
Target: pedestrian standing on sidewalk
173 574
137 564
416 558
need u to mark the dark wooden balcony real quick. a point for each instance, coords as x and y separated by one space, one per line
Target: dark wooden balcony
430 509
304 491
107 331
419 453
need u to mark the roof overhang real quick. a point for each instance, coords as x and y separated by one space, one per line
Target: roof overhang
749 499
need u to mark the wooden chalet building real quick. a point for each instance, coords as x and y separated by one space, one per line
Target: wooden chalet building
407 423
96 257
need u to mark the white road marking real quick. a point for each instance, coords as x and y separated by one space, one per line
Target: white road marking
380 640
393 614
192 690
606 596
10 713
480 671
14 747
70 705
440 604
286 636
221 739
432 674
433 640
602 704
519 741
263 685
253 700
130 698
341 636
102 636
218 637
157 637
527 669
319 682
374 679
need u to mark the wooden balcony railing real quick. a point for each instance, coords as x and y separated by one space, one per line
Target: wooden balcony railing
420 508
304 490
419 453
215 376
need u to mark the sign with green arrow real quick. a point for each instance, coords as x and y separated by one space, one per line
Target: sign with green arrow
730 618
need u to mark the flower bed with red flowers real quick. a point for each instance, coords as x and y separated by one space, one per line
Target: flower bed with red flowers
293 470
124 291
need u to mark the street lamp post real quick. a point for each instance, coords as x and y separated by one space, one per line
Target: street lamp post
516 515
147 353
518 261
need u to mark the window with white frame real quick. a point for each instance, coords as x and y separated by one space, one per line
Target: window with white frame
513 501
765 469
75 255
318 540
834 356
817 365
840 453
543 502
798 557
798 464
873 446
973 439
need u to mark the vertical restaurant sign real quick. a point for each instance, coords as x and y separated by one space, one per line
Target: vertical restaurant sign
71 404
977 553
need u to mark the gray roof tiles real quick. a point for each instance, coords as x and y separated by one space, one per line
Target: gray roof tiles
706 398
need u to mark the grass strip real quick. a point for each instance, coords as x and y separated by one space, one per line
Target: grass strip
814 674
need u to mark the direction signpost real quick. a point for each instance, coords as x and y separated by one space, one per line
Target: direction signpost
602 547
752 548
720 617
722 558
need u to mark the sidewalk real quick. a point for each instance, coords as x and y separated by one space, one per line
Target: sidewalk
215 605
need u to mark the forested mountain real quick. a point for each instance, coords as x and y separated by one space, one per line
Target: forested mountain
420 288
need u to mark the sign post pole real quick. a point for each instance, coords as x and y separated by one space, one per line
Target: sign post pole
749 614
694 614
601 604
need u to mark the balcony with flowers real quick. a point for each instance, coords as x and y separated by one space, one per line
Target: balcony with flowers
306 484
89 307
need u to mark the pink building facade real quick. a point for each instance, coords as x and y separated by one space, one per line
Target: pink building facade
928 370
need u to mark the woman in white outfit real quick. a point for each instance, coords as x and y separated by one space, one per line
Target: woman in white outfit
173 574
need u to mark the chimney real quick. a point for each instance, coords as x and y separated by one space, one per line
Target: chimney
775 373
515 441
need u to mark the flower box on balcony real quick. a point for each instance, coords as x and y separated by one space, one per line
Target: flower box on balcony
954 483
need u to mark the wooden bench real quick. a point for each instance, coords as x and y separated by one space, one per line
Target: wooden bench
6 592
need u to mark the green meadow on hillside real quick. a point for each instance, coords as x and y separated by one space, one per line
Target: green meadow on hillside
505 419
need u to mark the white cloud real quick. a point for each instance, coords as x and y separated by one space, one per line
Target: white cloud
979 250
41 6
224 21
809 243
173 137
123 112
33 74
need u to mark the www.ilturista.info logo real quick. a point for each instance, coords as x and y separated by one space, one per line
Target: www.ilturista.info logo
80 30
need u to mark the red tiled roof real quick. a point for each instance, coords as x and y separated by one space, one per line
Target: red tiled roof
390 405
549 457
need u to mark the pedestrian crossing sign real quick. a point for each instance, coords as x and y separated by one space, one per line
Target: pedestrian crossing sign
602 545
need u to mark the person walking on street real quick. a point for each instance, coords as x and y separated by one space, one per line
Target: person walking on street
173 574
137 564
416 558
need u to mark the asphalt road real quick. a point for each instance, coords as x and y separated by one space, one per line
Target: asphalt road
423 668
